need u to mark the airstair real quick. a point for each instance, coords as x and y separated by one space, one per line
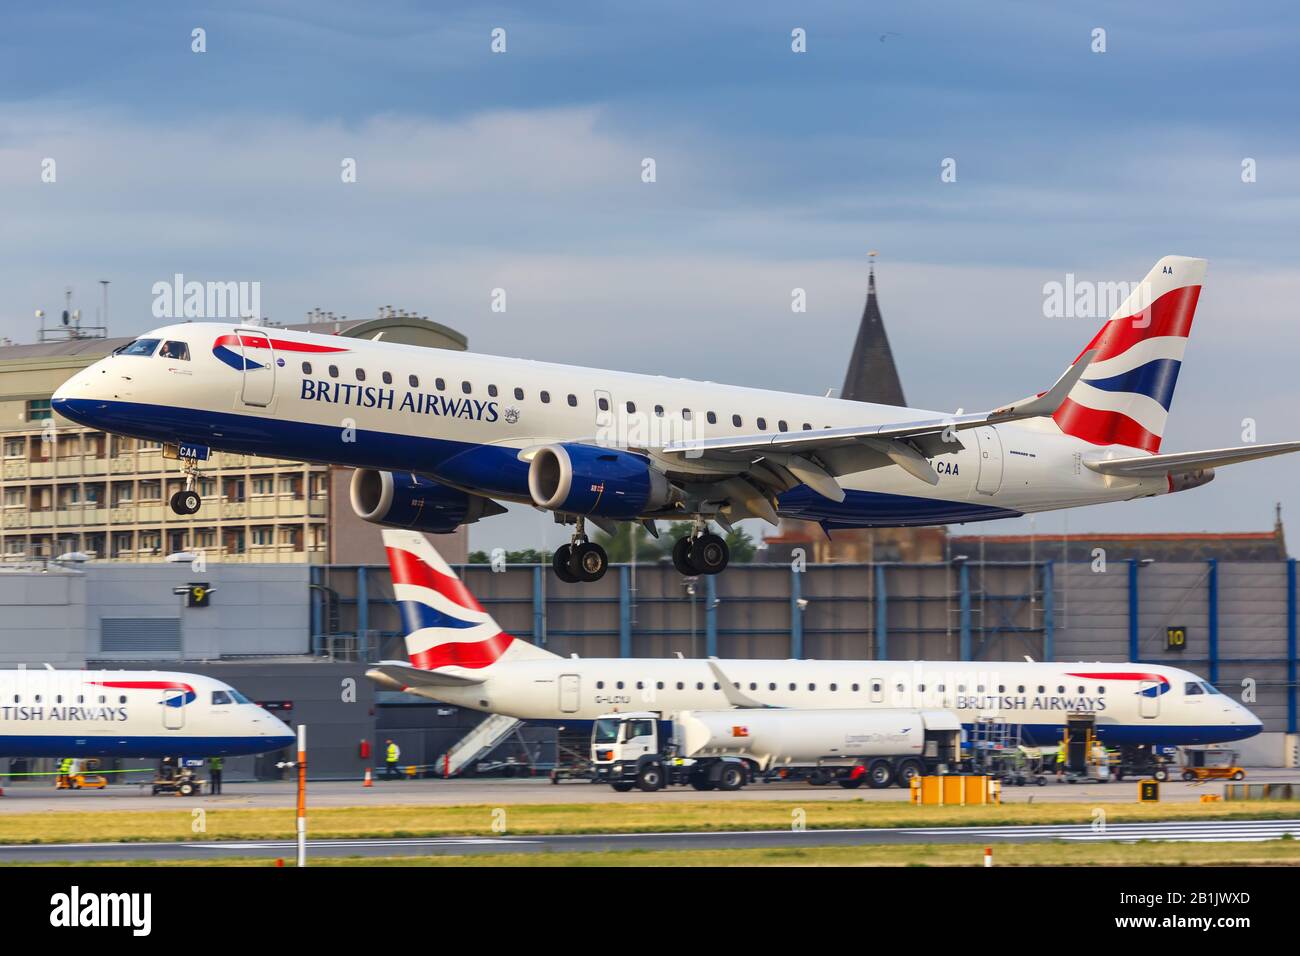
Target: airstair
477 743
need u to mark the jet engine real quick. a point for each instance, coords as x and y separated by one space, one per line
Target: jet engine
406 500
587 480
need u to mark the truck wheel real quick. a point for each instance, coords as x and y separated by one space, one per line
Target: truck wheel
650 778
701 782
1161 774
621 787
1188 775
850 783
819 778
908 769
879 775
732 777
1239 775
185 789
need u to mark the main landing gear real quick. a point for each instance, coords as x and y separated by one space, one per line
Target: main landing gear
187 501
581 560
700 552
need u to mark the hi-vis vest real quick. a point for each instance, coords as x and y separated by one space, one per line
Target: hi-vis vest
392 753
65 765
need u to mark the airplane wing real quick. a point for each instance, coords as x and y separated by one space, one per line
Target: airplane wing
1155 466
399 676
779 460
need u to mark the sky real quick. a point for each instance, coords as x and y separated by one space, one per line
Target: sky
774 170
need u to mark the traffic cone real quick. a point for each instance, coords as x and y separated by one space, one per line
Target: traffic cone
369 782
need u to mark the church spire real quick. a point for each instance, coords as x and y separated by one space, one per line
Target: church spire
872 376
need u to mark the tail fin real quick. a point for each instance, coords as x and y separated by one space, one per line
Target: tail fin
1124 397
445 626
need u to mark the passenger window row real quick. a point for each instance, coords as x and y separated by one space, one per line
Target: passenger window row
601 402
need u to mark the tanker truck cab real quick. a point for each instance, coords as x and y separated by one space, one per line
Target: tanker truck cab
641 749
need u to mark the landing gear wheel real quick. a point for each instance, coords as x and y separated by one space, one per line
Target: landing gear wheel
650 778
682 558
732 777
186 502
589 561
909 769
562 562
879 775
709 553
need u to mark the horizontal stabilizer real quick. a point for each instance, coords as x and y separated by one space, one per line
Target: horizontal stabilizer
1154 466
399 676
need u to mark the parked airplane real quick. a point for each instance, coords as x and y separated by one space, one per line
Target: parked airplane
439 436
459 655
52 713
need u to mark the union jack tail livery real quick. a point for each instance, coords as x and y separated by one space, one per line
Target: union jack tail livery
1124 396
446 628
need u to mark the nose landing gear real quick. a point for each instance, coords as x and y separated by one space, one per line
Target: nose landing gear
581 560
187 501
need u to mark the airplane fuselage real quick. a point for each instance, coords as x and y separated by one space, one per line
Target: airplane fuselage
463 419
1132 703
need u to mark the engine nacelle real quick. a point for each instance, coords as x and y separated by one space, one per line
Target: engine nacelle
1190 479
405 500
587 480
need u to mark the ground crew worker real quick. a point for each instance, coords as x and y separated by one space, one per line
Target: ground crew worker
214 774
1060 757
64 773
391 753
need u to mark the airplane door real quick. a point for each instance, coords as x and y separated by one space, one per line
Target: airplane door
569 693
173 709
259 368
990 449
1149 698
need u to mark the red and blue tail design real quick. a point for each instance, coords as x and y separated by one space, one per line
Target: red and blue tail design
1125 395
445 626
233 348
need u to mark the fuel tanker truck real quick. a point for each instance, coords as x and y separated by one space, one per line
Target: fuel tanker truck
724 749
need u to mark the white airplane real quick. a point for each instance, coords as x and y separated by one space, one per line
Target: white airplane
459 655
52 713
440 437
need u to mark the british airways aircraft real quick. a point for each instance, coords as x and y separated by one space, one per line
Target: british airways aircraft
459 655
440 438
52 713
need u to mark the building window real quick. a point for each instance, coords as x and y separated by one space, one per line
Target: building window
38 409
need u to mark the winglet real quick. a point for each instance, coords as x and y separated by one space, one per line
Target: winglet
733 694
1047 403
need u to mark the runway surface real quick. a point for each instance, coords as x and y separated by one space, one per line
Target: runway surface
1208 831
496 791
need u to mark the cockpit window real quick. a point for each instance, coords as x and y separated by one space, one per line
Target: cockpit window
177 351
140 347
220 698
1193 688
1211 689
238 697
